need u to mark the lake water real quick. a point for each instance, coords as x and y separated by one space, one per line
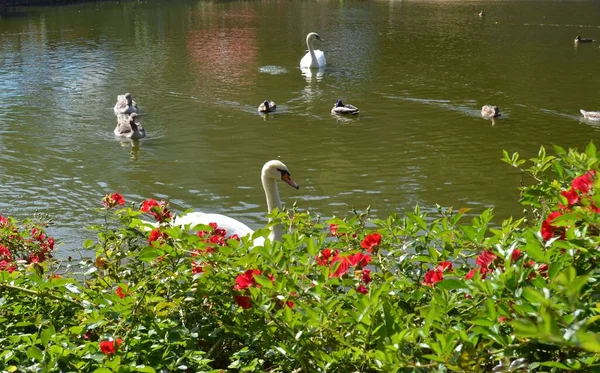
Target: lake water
418 70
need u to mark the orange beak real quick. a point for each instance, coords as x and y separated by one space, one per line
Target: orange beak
289 180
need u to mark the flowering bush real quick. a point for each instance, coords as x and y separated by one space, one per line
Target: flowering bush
422 292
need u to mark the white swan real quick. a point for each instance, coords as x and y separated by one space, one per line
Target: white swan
125 105
591 115
314 58
129 126
271 172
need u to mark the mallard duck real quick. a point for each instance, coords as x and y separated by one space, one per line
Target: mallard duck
126 105
489 111
591 115
579 39
267 106
129 126
314 58
341 108
481 14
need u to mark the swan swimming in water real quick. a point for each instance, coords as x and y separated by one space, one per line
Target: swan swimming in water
591 115
271 172
129 126
126 105
489 111
314 58
267 106
341 108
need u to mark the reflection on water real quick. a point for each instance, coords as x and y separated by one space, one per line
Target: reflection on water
419 71
313 75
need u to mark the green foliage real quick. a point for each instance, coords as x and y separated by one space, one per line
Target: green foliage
421 292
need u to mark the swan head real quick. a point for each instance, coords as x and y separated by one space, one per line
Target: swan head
313 35
128 98
277 170
339 103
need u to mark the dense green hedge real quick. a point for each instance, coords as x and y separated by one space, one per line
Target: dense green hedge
419 292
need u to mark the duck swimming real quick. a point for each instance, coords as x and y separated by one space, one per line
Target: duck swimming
267 106
126 105
481 14
489 111
341 108
579 39
129 127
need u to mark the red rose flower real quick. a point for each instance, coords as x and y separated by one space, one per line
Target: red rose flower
111 200
197 268
343 266
433 276
110 347
548 230
120 293
482 270
366 275
3 220
359 259
5 253
370 241
158 210
324 258
156 235
584 182
6 266
246 279
333 228
514 256
485 259
362 289
571 196
443 266
243 301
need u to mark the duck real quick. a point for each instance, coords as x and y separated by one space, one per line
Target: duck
314 58
490 111
272 171
267 106
341 108
579 39
129 127
591 115
126 105
481 14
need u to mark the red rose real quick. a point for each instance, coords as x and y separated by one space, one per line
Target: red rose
372 240
243 301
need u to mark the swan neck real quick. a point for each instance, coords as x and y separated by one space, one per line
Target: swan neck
311 49
273 202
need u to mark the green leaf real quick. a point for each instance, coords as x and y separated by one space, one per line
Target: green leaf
554 364
35 353
148 254
47 334
450 284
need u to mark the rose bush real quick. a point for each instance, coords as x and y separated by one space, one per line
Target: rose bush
443 291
